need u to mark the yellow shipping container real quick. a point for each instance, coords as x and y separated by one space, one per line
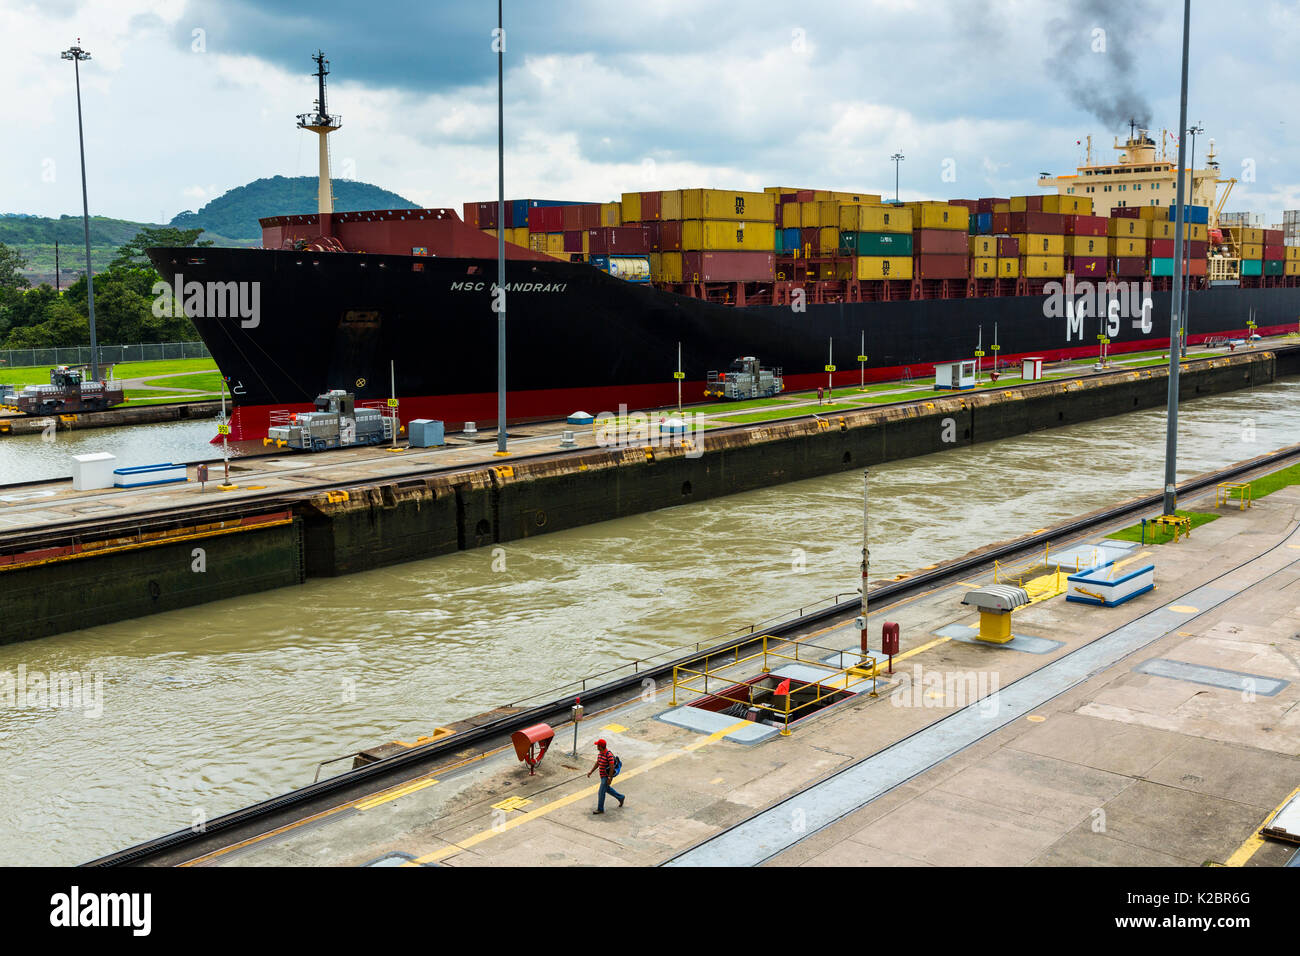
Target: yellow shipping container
537 242
939 215
856 198
1292 253
719 235
1292 267
1161 229
706 204
1249 235
1126 248
518 235
611 214
828 213
1085 245
875 219
1128 228
1041 244
984 246
1043 267
810 215
1155 214
884 267
1082 205
1019 204
828 240
984 267
656 264
822 195
555 242
790 215
1054 204
1008 268
1252 250
670 204
631 206
671 267
1200 232
1002 207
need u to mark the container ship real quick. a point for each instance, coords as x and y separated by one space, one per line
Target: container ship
603 298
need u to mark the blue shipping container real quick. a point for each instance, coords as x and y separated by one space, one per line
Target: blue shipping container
793 241
984 223
1193 214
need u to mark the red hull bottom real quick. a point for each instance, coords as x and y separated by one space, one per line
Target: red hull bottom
250 422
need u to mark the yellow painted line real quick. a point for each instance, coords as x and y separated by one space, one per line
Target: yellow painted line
372 802
614 728
1140 554
1249 848
512 803
1184 608
875 672
582 794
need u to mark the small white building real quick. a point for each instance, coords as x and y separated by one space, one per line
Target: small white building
955 375
1031 369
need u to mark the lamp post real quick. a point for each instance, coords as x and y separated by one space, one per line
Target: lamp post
897 158
1175 300
499 301
76 54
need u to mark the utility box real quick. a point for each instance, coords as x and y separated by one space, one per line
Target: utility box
954 375
1031 369
426 433
889 633
90 472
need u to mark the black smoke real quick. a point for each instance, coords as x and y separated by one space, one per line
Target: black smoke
1103 83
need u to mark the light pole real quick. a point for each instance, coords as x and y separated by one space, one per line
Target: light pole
500 302
1175 300
76 54
897 158
1187 278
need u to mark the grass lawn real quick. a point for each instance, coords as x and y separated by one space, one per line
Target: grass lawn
1163 535
139 396
201 381
40 374
1277 480
774 413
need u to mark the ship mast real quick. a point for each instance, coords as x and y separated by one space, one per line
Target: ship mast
322 124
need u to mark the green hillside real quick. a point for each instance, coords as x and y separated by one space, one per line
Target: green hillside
235 213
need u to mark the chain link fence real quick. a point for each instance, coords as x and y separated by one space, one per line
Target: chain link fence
108 354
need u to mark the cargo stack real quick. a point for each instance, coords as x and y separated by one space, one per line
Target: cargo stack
994 257
1274 253
1086 246
1041 235
709 235
940 248
1126 244
1291 266
880 240
1248 245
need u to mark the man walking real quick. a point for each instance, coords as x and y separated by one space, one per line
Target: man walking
606 764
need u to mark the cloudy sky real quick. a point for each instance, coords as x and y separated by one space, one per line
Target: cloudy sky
185 99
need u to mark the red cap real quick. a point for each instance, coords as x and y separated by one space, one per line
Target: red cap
600 743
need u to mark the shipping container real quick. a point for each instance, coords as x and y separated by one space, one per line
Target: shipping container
1126 212
554 242
651 206
809 240
573 218
575 240
724 235
1128 228
1198 250
611 214
670 205
704 204
1154 213
1041 223
1252 267
1252 235
828 240
546 219
631 206
1196 214
618 240
1274 267
790 218
664 235
657 267
1086 246
1272 237
1041 244
487 215
983 246
875 219
1277 251
884 267
1293 267
941 266
1125 248
1008 247
1001 223
471 214
1087 267
970 205
1129 266
1085 225
1161 249
1159 229
1042 267
709 266
1162 266
1251 250
1292 252
938 215
872 199
1003 206
792 242
941 242
1008 268
1198 267
877 243
983 223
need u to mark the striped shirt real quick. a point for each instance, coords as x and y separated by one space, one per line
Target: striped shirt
605 762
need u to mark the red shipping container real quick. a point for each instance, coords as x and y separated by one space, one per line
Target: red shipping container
1129 266
810 240
940 242
590 216
1270 251
1200 249
1049 223
1008 246
1272 237
1162 248
653 235
573 240
471 214
940 267
986 205
1001 222
670 235
804 195
728 266
572 217
1087 267
651 206
1126 212
1034 203
971 204
487 215
618 241
1198 267
1085 225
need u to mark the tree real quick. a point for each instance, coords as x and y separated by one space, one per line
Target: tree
12 262
63 326
133 252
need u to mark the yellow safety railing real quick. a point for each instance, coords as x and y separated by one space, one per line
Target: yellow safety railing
837 680
1223 494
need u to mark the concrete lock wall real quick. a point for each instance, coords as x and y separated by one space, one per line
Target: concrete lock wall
342 532
85 591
